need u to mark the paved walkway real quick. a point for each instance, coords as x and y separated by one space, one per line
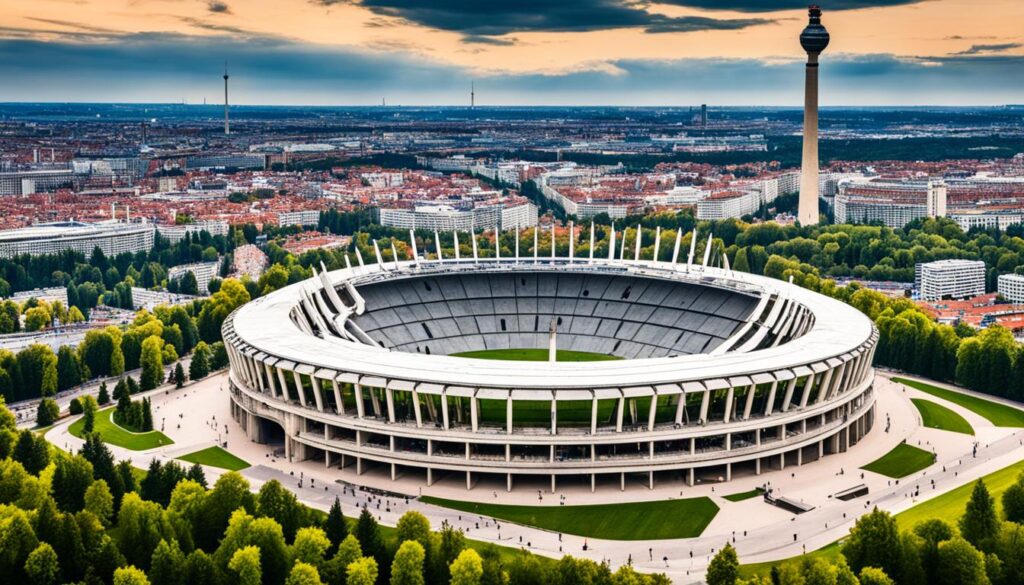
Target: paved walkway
198 416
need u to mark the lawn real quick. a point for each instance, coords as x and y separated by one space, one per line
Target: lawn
536 355
936 416
116 435
684 518
739 497
215 457
829 553
1000 415
950 505
901 461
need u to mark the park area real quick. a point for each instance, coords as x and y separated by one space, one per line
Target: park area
685 518
1000 415
901 461
117 435
216 457
936 416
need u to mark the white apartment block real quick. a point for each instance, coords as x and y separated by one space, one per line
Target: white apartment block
203 271
51 238
175 233
447 218
955 279
34 181
726 205
1011 286
894 203
301 218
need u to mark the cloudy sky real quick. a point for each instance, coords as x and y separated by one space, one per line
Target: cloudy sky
531 52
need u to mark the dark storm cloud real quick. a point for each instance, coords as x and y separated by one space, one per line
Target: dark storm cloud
218 7
996 48
776 5
475 18
484 40
162 67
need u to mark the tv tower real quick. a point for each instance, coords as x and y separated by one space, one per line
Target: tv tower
227 123
472 95
813 39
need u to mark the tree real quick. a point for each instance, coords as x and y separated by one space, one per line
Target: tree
69 371
199 569
368 534
724 568
303 574
41 566
37 367
37 318
407 568
873 576
100 502
467 568
165 567
230 492
75 407
179 375
151 361
89 408
32 451
274 501
873 542
130 576
47 413
960 564
103 397
335 526
71 479
200 365
979 525
310 546
361 572
1013 501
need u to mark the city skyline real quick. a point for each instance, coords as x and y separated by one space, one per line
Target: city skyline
584 52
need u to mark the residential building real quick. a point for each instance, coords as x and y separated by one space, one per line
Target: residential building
953 279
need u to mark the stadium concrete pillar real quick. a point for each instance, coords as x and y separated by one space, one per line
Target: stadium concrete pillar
360 405
728 404
782 461
375 403
469 480
807 390
508 453
316 392
284 385
691 477
473 416
593 482
359 465
270 380
771 399
757 437
693 446
444 409
339 405
508 482
508 413
394 474
622 481
553 480
757 466
652 413
826 383
788 398
650 480
593 416
750 401
680 409
619 413
554 407
704 403
389 396
430 476
728 441
728 472
417 409
821 448
800 457
298 388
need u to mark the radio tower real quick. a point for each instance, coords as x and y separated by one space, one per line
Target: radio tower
813 39
472 95
227 123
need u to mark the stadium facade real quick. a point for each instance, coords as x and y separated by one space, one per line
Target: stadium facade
723 372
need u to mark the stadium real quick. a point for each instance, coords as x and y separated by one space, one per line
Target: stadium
667 371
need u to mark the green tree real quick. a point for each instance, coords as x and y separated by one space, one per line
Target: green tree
335 526
179 375
103 397
274 501
69 371
230 492
37 367
32 451
467 569
37 318
873 542
165 566
199 569
368 534
152 363
47 413
100 502
960 564
724 568
361 572
874 576
303 574
979 525
71 479
407 568
1013 501
89 408
42 567
199 367
130 576
310 546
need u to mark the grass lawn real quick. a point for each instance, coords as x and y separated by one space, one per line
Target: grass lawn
116 435
936 416
215 457
536 355
744 495
901 461
1000 415
950 505
632 521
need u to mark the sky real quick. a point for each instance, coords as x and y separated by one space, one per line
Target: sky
516 52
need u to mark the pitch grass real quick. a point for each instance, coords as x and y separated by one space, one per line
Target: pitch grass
536 355
739 497
684 518
901 461
119 436
216 457
936 416
1000 415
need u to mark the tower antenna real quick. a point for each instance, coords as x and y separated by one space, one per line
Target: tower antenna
227 123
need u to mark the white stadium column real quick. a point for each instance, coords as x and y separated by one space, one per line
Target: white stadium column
704 403
316 392
339 404
416 408
360 405
298 387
